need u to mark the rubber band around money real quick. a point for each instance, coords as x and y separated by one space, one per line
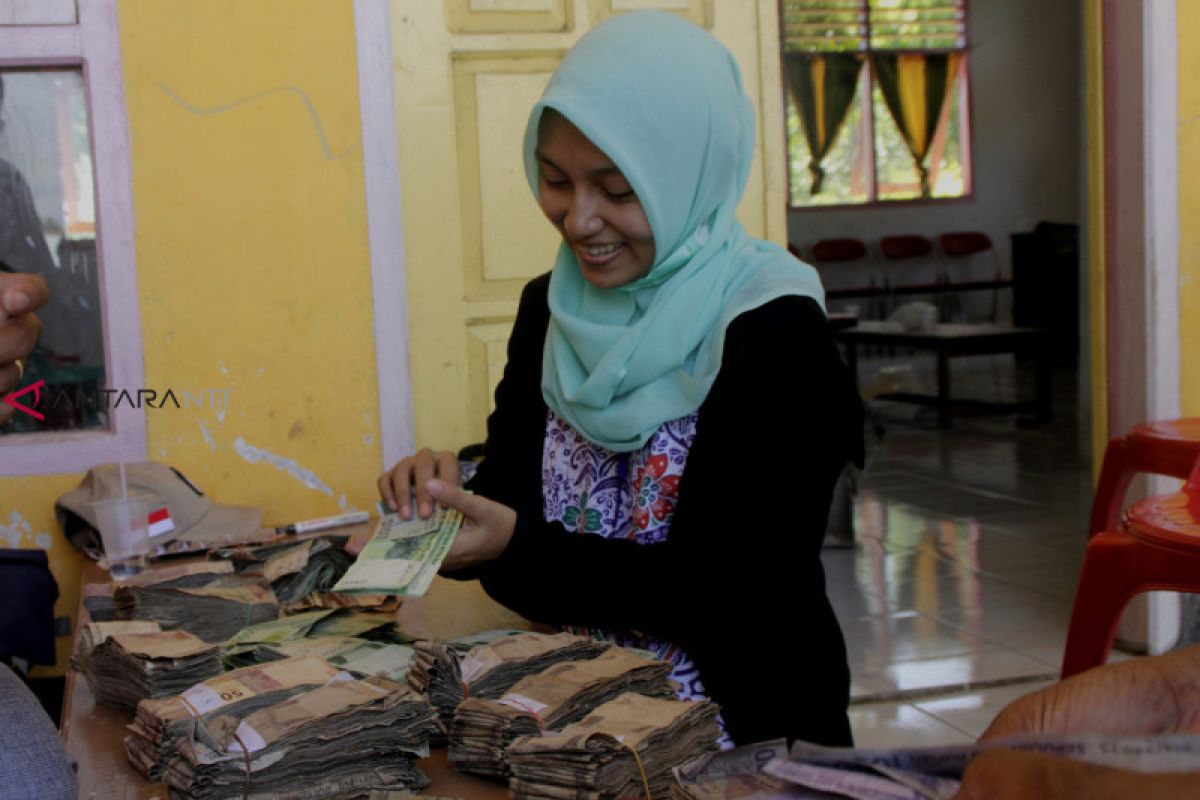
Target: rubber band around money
188 707
246 756
641 770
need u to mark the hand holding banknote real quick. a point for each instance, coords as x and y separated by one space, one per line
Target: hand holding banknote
406 481
486 529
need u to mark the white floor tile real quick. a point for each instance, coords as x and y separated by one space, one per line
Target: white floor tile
901 725
972 712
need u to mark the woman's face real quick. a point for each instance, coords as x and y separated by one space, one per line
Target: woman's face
591 204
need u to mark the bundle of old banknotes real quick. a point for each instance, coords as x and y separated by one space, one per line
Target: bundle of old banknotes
339 637
487 665
626 747
549 700
298 727
924 773
101 606
160 723
213 613
345 738
125 662
302 573
402 556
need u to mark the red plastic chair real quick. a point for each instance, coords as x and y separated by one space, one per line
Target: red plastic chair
908 246
1156 547
1170 447
964 243
828 250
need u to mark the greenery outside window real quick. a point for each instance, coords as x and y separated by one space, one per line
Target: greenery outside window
877 100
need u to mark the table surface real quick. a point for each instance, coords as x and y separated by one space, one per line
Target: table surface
94 734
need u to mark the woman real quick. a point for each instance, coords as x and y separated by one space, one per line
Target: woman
674 414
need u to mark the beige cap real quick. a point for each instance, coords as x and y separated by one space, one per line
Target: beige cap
182 519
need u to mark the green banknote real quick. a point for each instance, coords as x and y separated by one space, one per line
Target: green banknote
402 555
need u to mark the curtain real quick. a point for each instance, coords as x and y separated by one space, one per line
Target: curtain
822 86
915 87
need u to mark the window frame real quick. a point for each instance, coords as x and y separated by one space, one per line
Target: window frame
967 139
92 44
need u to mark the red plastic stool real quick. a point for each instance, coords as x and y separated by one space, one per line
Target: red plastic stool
1171 447
1156 547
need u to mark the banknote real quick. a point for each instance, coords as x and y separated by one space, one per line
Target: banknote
403 556
933 773
359 656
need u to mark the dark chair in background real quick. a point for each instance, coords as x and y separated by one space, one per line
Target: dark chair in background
961 246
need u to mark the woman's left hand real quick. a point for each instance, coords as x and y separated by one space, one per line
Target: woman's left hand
486 530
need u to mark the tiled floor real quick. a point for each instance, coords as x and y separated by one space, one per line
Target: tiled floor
969 541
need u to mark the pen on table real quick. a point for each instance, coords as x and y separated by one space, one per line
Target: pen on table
309 525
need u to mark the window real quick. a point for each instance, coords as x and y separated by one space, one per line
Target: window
48 228
64 162
877 104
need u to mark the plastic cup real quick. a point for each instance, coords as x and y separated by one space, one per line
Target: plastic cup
124 532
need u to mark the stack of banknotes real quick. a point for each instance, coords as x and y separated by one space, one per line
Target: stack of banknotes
295 569
359 657
98 597
922 773
402 556
434 659
239 649
128 667
324 632
213 614
344 739
734 773
447 675
626 747
93 633
563 693
159 724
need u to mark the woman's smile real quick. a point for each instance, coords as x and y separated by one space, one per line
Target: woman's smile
587 198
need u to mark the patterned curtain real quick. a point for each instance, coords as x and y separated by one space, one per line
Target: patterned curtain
915 87
822 86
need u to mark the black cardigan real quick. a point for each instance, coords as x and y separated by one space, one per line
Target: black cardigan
738 583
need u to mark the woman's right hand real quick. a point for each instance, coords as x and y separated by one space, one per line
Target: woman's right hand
397 485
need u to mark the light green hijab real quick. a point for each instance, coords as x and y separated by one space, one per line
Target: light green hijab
663 99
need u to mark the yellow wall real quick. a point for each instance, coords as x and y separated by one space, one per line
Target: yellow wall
252 261
1188 27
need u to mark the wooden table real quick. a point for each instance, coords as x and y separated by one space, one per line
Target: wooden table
95 734
954 341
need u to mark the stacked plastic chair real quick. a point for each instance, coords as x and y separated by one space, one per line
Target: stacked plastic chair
965 245
904 247
1154 545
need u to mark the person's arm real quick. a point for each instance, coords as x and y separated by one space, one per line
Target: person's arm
1140 697
1143 696
1013 775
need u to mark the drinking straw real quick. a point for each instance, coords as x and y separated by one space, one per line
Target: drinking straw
123 492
